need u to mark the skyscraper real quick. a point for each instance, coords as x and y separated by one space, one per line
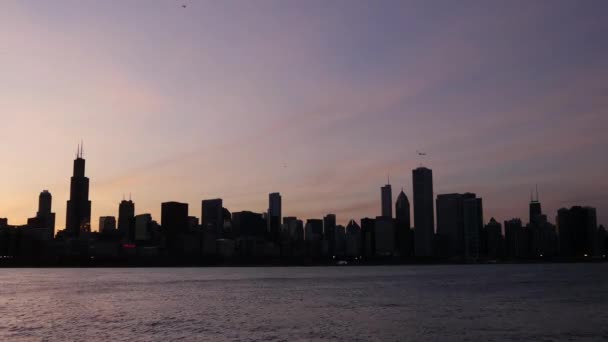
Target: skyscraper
212 215
386 196
450 225
45 219
535 209
126 219
424 219
472 209
402 211
274 216
329 232
107 224
403 234
78 215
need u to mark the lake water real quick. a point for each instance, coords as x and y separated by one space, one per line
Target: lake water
555 302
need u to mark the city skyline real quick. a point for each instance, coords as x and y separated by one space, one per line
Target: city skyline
182 105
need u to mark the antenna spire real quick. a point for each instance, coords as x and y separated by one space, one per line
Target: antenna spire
536 192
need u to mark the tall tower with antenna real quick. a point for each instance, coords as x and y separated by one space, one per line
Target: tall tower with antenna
535 207
78 217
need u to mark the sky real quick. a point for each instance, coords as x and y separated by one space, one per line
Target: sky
318 100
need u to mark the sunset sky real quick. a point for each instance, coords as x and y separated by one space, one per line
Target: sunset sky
318 100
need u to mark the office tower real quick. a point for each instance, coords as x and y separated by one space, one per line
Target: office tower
340 241
424 218
44 203
368 237
107 224
290 226
143 227
384 236
353 239
473 224
329 232
494 239
126 217
248 224
78 216
212 216
45 219
450 225
387 200
313 230
402 211
577 229
403 233
174 219
515 239
535 209
274 216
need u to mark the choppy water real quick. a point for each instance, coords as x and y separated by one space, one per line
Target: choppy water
400 303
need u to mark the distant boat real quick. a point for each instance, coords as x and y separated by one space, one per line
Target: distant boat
342 263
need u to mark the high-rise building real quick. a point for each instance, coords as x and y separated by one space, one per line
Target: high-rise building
313 230
402 211
143 227
384 236
459 225
107 224
424 217
368 237
353 239
126 219
386 196
403 233
450 225
473 225
515 239
329 232
494 239
212 216
274 217
44 217
44 204
577 229
248 224
174 218
293 228
78 216
535 209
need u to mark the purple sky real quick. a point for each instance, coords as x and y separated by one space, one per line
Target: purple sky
214 99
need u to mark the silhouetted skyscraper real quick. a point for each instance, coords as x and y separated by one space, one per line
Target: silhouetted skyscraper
329 232
535 209
44 203
450 225
402 211
274 216
577 229
403 233
78 215
387 200
212 215
107 224
424 219
473 225
44 222
126 219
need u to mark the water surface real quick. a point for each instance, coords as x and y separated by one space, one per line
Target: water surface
550 302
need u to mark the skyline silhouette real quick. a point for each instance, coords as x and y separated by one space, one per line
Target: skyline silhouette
312 99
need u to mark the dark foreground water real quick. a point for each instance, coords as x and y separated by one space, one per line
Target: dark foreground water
394 303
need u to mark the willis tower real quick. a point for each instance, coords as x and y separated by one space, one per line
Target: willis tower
78 216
